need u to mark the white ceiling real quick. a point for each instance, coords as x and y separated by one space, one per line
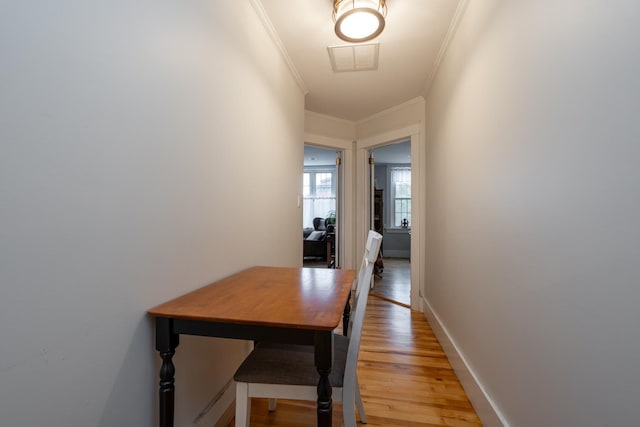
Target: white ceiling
410 45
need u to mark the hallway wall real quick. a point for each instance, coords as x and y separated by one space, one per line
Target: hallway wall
137 150
533 204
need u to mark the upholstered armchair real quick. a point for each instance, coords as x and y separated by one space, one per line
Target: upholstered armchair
315 243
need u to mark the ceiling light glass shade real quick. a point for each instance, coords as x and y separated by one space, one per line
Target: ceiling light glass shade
359 20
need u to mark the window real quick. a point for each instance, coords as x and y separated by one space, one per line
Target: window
400 178
319 192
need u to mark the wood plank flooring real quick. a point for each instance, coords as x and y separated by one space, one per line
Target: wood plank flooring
394 284
405 378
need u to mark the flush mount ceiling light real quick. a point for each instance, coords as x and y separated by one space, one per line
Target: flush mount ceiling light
359 20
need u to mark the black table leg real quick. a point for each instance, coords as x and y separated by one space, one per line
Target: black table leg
346 314
323 359
166 343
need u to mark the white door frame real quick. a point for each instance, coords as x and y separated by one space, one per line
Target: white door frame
363 207
347 234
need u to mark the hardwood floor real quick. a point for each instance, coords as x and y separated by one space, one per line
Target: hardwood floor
405 378
394 284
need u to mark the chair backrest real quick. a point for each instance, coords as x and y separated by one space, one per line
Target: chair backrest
319 224
374 241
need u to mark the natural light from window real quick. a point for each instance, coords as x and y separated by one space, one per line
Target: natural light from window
319 194
401 195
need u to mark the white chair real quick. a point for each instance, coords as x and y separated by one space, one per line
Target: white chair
288 371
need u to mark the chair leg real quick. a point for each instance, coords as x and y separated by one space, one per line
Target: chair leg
360 406
243 405
348 411
272 404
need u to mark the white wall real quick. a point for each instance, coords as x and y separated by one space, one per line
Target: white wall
406 114
137 144
533 239
331 127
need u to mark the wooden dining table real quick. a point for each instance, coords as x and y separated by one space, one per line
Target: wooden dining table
275 304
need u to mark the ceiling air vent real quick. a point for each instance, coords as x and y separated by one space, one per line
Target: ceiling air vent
354 58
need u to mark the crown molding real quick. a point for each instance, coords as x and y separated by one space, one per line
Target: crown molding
328 117
266 22
453 26
416 100
327 141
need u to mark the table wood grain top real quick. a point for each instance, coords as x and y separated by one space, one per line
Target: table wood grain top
300 298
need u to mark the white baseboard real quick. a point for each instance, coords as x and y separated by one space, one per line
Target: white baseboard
482 403
217 408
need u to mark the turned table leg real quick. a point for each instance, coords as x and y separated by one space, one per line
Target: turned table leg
323 360
346 315
166 343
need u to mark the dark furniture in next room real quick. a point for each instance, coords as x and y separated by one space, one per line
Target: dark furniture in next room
315 241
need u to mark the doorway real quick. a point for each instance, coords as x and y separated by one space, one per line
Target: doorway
391 216
321 208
